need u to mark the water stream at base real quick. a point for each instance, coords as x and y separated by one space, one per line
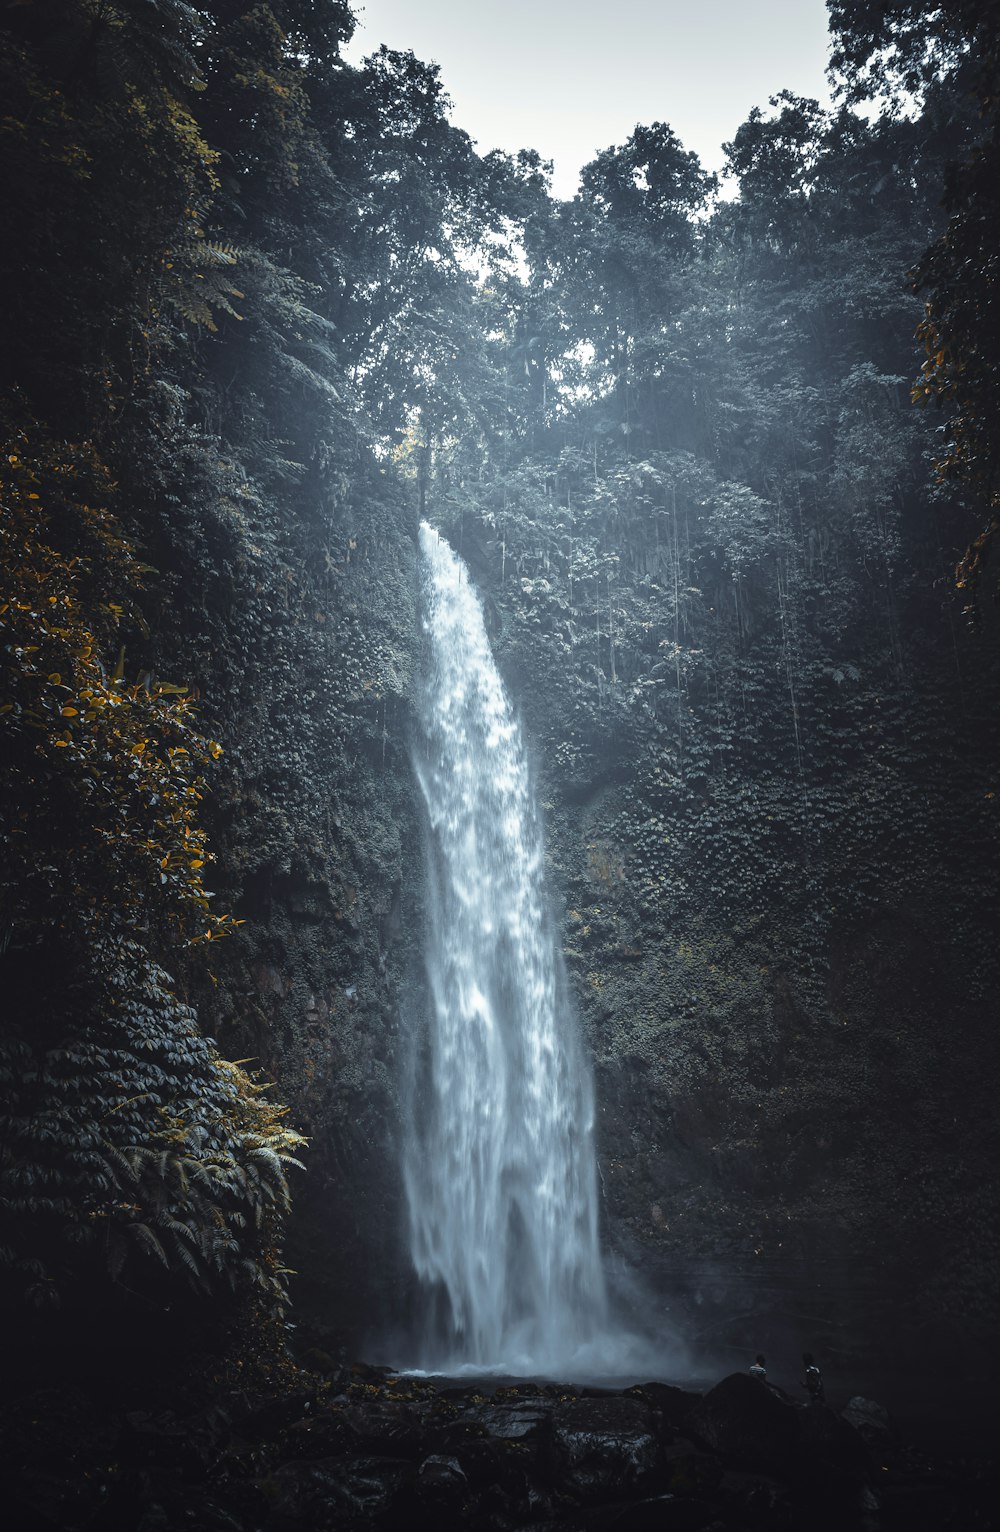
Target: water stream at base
499 1161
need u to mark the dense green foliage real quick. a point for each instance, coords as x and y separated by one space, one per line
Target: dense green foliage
241 275
269 309
947 56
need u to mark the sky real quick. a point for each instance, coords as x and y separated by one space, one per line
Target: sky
571 77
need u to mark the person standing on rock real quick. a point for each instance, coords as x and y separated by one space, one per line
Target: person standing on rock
758 1369
813 1380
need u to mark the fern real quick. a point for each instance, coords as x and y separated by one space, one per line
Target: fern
195 283
143 1235
191 1173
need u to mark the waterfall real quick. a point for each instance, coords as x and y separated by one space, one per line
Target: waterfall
499 1161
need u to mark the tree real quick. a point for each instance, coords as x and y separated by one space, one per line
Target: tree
634 231
888 48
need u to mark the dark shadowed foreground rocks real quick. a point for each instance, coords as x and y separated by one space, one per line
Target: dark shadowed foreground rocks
366 1449
755 1426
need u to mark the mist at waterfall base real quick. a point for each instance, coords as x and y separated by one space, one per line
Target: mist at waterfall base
499 1162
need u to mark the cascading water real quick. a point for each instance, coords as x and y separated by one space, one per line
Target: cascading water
499 1162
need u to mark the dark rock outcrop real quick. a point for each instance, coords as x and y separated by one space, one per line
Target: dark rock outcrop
751 1425
748 1423
395 1453
870 1420
602 1447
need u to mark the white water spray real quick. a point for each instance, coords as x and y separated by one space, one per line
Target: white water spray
499 1165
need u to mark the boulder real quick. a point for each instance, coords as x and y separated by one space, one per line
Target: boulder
441 1484
511 1465
674 1406
831 1453
336 1489
513 1419
600 1447
690 1470
753 1428
385 1428
870 1420
749 1424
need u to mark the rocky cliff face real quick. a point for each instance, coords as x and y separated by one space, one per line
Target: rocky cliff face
784 978
313 819
780 948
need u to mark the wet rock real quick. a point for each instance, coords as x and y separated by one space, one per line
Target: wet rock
441 1483
335 1488
602 1446
514 1466
501 1510
387 1429
452 1437
517 1469
482 1462
688 1470
674 1406
437 1469
870 1420
512 1419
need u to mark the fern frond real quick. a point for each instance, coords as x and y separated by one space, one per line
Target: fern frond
142 1233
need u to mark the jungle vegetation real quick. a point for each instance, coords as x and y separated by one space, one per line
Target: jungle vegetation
264 309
